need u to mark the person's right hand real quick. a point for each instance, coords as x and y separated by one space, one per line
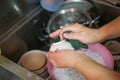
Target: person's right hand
79 32
68 58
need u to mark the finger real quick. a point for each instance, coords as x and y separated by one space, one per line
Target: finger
67 29
79 52
47 54
72 28
74 35
50 53
51 57
55 34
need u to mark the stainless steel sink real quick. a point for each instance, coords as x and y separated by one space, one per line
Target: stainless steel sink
26 37
29 32
23 36
110 9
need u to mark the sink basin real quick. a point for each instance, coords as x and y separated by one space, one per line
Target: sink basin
25 35
110 10
30 32
28 37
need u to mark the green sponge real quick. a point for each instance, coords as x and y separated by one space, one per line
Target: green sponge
75 43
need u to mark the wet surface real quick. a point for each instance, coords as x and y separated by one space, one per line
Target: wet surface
14 10
31 34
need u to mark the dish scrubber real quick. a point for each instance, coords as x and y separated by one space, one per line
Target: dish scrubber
75 43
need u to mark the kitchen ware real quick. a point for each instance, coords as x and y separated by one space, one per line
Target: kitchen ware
113 46
74 11
35 61
12 71
98 48
51 5
66 17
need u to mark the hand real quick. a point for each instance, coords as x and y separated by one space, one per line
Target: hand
65 58
81 33
70 58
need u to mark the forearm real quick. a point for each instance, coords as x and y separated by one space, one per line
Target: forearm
95 71
111 30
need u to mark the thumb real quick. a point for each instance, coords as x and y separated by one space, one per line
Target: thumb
51 57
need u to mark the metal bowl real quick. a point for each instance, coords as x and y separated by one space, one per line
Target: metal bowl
66 17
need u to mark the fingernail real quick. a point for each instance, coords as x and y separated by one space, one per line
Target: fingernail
65 35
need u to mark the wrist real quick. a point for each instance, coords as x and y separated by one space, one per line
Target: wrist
102 35
81 62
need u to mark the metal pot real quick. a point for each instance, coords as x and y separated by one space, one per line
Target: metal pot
67 16
72 11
